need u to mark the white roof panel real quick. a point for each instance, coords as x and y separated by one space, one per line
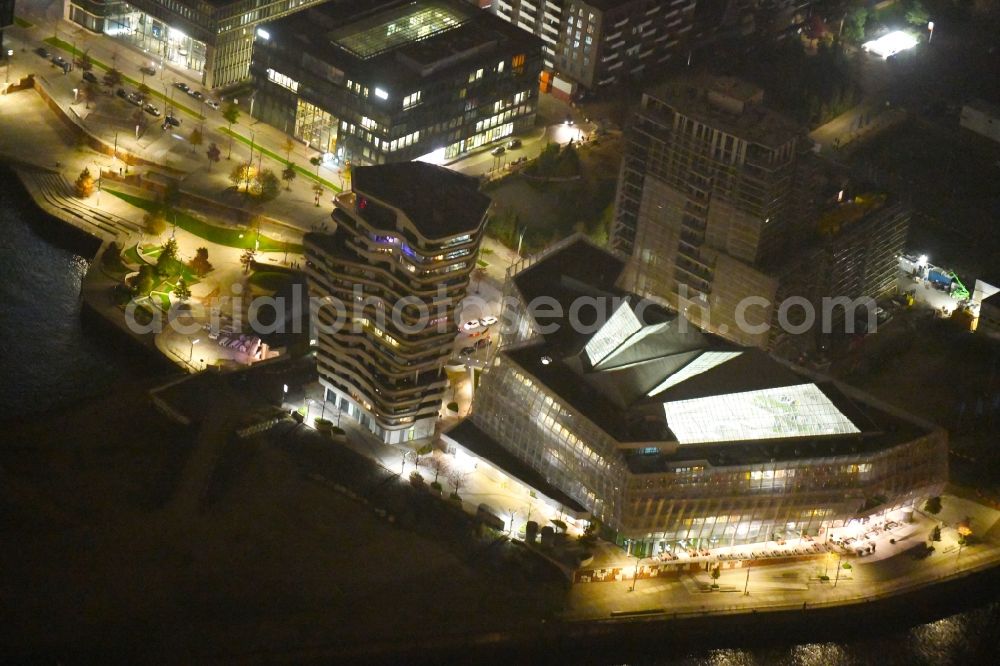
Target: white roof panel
775 413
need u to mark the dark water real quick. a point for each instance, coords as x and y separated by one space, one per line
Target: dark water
49 359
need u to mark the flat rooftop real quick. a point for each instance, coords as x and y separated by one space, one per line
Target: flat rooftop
440 202
690 96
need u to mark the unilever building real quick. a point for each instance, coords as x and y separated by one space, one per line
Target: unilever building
673 437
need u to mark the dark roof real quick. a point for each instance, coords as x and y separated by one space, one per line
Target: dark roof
609 382
439 202
484 446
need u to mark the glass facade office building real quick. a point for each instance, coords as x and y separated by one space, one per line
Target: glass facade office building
398 82
676 438
212 39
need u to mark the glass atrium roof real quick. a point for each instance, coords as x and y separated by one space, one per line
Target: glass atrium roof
616 330
774 413
389 30
703 363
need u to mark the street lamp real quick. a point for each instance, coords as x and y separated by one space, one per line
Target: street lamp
76 95
930 29
191 353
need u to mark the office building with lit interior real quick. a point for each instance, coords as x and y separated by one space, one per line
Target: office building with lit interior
401 81
674 437
208 38
405 239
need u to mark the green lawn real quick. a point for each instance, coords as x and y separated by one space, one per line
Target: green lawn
20 22
66 46
281 160
161 299
132 255
220 235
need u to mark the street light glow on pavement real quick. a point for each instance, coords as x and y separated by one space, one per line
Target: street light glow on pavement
891 44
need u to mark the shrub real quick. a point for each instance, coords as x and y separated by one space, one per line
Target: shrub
452 406
437 487
933 505
454 496
416 478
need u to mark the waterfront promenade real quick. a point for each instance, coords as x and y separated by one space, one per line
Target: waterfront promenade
797 585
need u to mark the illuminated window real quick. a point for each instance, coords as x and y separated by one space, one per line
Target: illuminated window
282 80
411 100
518 64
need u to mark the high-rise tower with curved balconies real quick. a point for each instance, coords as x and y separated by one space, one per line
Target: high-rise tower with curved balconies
386 283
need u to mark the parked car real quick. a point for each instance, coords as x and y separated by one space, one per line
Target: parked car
514 143
89 76
499 150
172 121
42 52
468 351
183 87
134 98
148 70
197 94
121 93
470 325
212 103
483 342
488 320
59 61
151 110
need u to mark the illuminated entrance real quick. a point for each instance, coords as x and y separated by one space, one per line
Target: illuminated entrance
316 127
163 43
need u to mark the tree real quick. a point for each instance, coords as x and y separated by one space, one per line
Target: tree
84 62
232 115
155 222
854 24
89 93
715 573
318 192
439 465
270 188
917 14
247 259
182 291
933 505
196 139
143 283
457 479
289 146
345 174
84 185
112 78
240 175
169 249
936 533
213 154
199 263
288 175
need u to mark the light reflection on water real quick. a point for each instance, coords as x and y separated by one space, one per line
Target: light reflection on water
46 358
